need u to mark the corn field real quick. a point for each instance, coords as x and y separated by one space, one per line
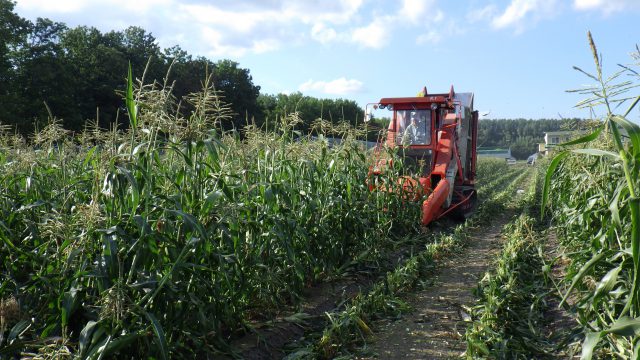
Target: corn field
173 238
589 196
593 185
168 239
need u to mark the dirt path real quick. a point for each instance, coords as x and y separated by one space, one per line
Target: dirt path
435 329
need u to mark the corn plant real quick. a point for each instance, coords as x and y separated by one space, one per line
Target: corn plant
596 201
349 325
170 238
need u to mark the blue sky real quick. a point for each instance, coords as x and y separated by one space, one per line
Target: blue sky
516 56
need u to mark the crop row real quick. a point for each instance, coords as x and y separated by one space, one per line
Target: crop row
590 193
592 187
167 239
351 323
511 296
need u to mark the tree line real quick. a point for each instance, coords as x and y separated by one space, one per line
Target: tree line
78 75
521 135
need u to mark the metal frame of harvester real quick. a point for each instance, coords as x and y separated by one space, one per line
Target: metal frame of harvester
439 147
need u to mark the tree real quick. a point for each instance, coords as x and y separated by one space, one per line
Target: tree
238 90
100 65
142 50
521 135
44 77
309 109
13 35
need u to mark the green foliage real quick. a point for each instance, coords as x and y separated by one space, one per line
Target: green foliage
349 325
310 109
236 85
167 238
521 135
511 299
13 35
594 192
76 74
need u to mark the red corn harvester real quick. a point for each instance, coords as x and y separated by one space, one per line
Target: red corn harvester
436 135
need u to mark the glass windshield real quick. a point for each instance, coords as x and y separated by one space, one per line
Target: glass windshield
414 127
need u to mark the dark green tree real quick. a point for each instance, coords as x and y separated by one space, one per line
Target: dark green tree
238 89
309 109
13 35
45 77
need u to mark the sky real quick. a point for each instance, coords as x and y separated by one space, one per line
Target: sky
516 56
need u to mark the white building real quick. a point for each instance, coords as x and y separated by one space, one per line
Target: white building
553 139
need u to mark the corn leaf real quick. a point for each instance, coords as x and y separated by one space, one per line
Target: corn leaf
119 343
633 104
131 105
157 330
608 282
18 329
547 179
581 273
625 326
589 344
633 132
587 138
85 337
596 152
613 206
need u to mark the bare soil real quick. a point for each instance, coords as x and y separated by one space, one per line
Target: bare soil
435 329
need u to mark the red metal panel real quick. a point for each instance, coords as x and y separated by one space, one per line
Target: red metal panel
443 154
432 207
440 98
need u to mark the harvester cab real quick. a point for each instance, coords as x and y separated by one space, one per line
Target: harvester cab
436 136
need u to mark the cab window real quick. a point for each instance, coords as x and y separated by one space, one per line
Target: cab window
414 127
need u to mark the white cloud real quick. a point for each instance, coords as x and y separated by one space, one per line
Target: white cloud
414 10
242 22
340 86
323 34
378 32
435 35
430 37
266 45
231 28
375 35
60 6
224 27
259 26
483 14
521 13
74 6
606 6
333 11
219 47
